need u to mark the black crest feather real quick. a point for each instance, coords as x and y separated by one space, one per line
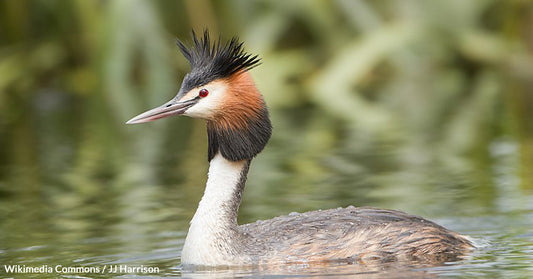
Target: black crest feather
213 61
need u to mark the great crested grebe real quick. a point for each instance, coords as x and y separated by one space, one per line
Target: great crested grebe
220 90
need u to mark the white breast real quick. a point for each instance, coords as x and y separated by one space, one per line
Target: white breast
205 240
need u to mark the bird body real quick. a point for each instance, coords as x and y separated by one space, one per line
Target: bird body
220 90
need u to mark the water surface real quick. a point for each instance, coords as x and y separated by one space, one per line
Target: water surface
50 219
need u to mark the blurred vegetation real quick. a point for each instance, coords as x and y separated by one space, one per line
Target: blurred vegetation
399 102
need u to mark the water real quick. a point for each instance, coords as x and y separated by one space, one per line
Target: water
124 217
107 238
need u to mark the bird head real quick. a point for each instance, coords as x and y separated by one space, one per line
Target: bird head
220 90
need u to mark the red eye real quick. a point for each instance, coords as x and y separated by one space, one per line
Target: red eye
203 93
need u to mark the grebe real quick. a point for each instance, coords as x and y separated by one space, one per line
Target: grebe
220 90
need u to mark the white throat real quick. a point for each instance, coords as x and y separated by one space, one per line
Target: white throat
214 225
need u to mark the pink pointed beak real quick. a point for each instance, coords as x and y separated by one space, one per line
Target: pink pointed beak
173 107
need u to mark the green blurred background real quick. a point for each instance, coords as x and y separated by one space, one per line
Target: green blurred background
423 106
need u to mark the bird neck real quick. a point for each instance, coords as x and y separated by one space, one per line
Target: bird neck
214 225
223 190
239 134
